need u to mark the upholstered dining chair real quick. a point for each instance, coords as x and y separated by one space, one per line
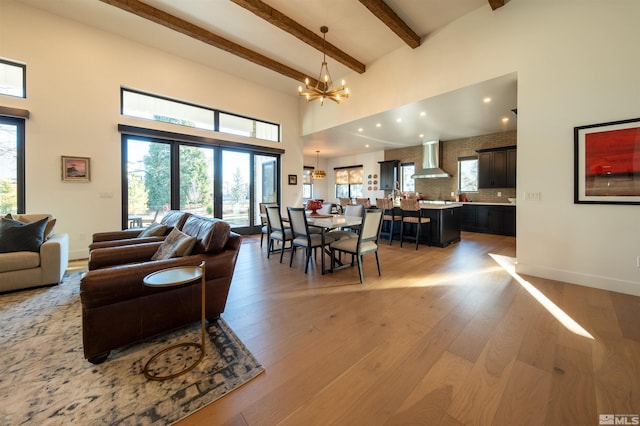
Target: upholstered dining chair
367 241
412 214
278 231
354 210
264 230
303 238
389 216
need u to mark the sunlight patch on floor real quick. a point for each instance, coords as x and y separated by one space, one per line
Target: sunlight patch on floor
509 265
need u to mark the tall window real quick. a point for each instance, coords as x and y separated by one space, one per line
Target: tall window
12 182
348 182
468 174
408 183
203 179
307 185
13 78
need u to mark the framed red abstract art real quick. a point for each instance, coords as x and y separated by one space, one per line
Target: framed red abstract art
607 163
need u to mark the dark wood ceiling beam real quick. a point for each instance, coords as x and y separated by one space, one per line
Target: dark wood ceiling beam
495 4
180 25
287 24
384 13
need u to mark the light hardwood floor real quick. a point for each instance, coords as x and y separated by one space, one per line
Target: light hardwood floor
445 337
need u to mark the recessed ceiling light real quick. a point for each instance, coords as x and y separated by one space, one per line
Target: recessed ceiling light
486 100
421 135
378 125
366 146
423 113
398 120
360 129
505 119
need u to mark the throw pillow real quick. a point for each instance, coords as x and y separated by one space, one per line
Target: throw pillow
28 218
176 244
18 236
153 230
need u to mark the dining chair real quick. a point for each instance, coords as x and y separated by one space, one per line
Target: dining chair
303 238
389 216
264 230
326 208
412 214
366 203
354 210
279 232
367 242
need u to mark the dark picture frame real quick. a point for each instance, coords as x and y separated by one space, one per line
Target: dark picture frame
76 169
607 163
293 179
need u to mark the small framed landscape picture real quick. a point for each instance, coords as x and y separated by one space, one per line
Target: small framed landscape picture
75 169
293 179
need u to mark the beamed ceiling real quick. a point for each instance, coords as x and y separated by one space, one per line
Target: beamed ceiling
277 42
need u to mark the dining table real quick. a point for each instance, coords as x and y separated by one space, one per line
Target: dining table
327 223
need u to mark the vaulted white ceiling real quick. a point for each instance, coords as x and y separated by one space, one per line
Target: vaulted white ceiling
352 29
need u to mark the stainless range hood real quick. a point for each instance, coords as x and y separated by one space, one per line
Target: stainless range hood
430 162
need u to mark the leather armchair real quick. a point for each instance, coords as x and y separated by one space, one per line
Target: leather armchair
118 309
172 219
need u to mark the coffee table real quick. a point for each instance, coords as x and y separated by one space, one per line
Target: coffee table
169 278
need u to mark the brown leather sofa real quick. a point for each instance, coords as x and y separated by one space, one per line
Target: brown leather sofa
172 219
118 309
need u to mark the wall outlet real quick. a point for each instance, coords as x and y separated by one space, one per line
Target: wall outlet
537 196
499 194
638 261
82 237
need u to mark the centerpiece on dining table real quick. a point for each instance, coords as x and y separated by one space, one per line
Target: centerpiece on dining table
314 206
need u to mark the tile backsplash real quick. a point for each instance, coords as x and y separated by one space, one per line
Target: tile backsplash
441 188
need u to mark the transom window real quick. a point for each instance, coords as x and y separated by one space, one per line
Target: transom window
157 108
13 78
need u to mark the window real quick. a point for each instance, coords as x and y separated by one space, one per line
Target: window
242 126
348 182
192 174
468 174
12 184
156 108
408 183
13 78
307 186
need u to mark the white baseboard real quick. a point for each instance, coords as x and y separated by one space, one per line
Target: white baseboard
588 280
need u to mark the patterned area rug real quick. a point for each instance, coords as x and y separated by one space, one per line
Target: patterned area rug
45 379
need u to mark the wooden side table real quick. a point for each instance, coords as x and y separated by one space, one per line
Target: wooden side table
169 278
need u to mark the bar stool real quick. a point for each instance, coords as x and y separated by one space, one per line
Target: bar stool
411 213
389 216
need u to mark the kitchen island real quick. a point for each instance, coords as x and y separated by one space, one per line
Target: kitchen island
445 222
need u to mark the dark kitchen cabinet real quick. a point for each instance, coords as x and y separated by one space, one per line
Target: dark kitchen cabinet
489 219
444 227
388 174
497 167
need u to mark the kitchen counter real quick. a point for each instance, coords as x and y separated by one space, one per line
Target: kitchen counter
488 204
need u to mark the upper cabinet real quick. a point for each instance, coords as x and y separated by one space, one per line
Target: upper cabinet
388 174
497 167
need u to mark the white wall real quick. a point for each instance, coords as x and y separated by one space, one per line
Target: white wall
577 64
74 75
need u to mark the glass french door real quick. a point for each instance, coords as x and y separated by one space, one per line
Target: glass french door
205 180
11 165
236 179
